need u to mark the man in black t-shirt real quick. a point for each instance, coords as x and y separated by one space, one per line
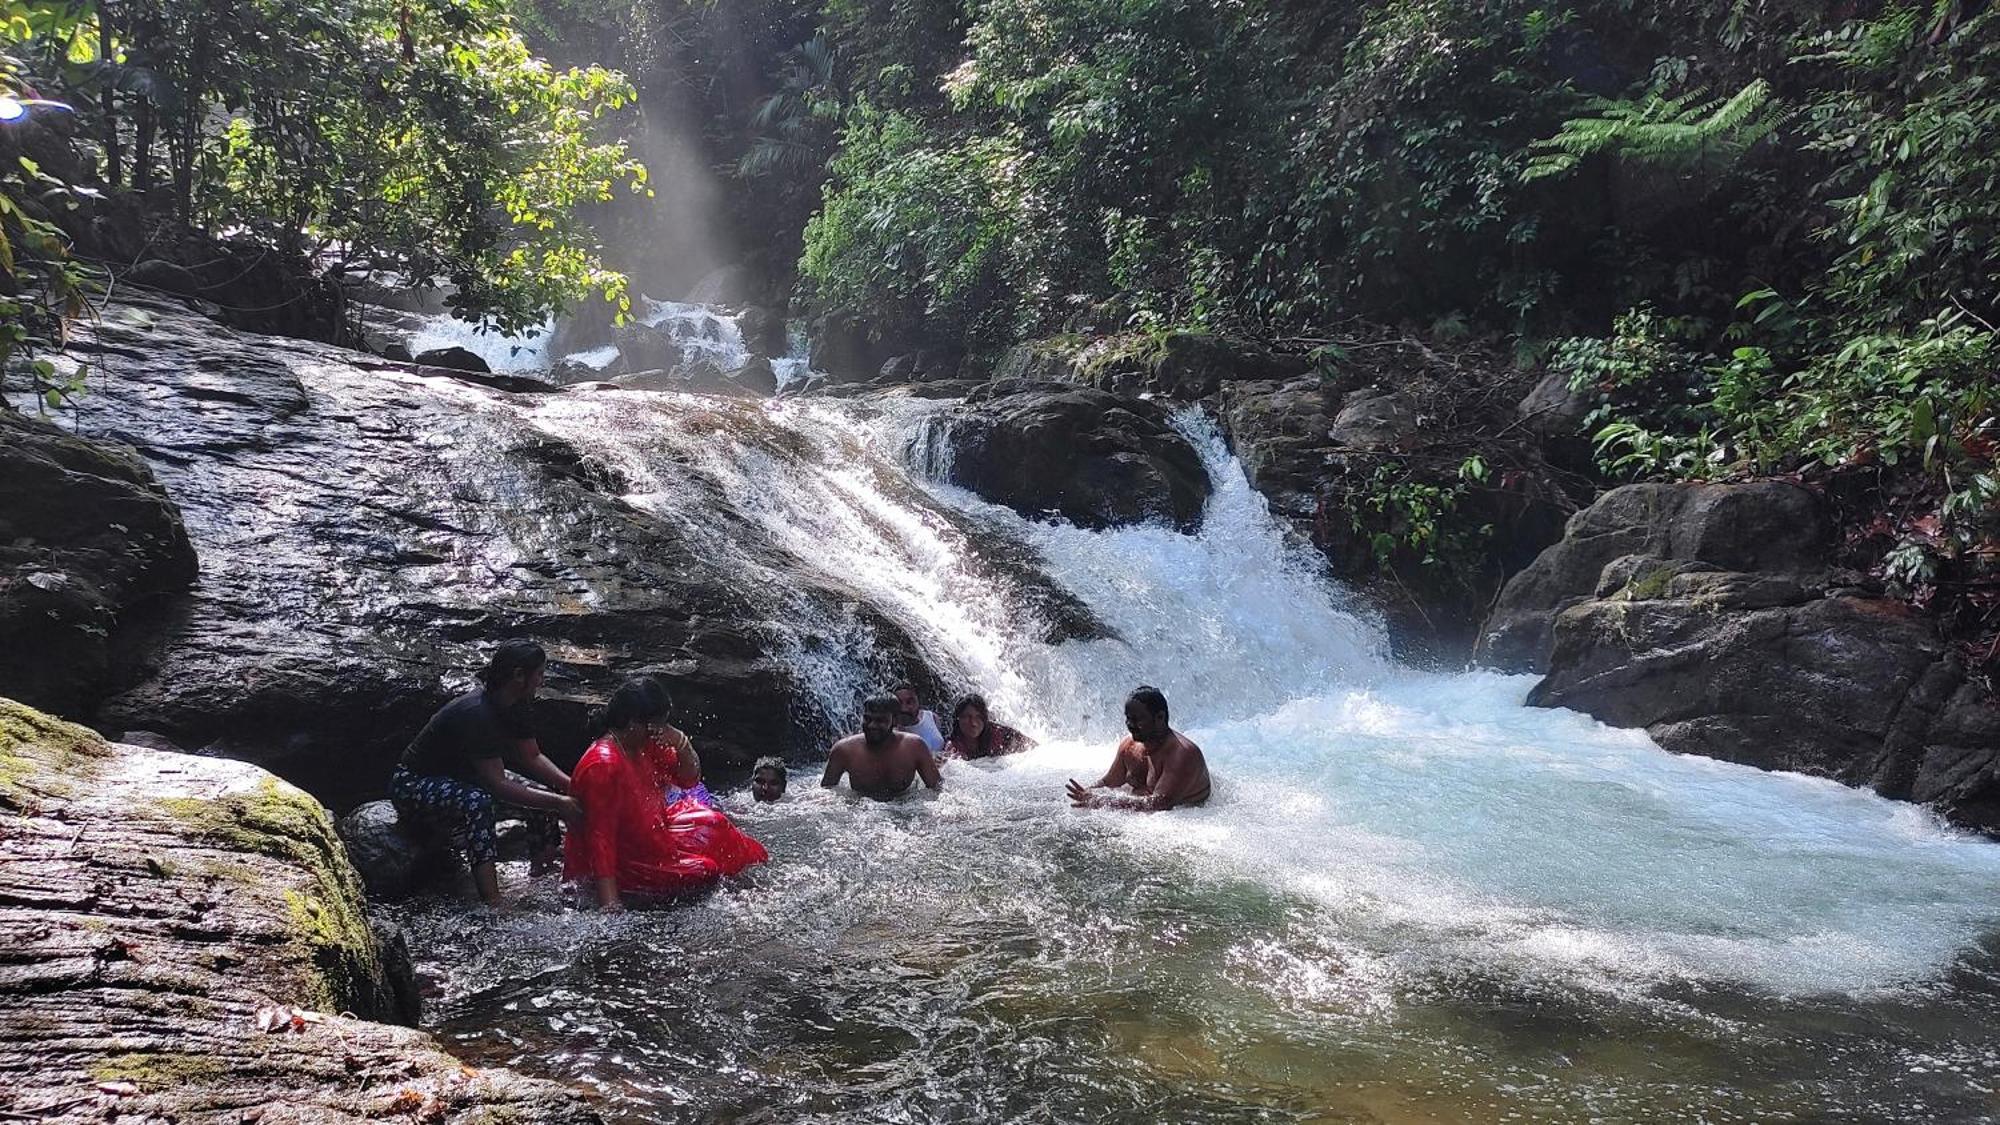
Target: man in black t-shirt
455 770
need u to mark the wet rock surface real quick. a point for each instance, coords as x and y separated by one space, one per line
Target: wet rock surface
153 904
1089 456
88 539
367 531
1706 615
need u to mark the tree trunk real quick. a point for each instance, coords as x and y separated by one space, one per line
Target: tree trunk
145 122
106 40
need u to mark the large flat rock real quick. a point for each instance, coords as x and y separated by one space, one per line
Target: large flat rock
367 530
152 903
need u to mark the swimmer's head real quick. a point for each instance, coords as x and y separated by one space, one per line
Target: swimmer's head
1146 715
909 706
767 779
878 719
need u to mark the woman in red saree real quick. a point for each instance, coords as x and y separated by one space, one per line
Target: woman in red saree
632 843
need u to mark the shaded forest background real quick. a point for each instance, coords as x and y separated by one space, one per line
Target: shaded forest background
1758 236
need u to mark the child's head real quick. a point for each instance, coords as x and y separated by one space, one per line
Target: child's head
767 779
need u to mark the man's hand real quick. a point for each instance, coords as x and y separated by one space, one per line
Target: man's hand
1079 796
571 812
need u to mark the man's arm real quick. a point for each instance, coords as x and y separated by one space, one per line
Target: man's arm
836 765
527 759
927 767
1083 798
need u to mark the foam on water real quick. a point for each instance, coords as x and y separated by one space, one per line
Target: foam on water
523 352
1435 823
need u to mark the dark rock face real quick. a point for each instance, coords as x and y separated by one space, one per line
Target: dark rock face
152 903
1181 365
643 347
1704 614
1375 420
847 352
764 332
1092 457
86 536
368 532
756 377
1764 526
454 358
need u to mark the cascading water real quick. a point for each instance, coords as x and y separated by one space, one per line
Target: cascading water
1411 898
704 333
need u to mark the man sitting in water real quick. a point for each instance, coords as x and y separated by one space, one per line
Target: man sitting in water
911 718
880 761
1164 768
768 780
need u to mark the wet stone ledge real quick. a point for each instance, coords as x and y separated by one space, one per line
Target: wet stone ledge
162 918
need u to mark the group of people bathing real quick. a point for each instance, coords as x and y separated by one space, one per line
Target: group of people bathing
642 826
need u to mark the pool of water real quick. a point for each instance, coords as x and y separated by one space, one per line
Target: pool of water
1411 899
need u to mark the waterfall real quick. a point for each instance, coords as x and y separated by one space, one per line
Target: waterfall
1424 810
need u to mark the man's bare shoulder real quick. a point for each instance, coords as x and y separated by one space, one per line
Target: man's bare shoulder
912 744
846 745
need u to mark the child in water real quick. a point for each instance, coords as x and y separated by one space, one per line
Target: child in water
632 843
768 780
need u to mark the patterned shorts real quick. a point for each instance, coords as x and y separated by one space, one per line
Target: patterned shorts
465 813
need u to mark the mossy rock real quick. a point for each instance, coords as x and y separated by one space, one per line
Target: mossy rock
42 756
327 916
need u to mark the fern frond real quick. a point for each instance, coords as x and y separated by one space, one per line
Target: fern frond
1660 130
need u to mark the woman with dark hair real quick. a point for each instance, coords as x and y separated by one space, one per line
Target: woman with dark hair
454 773
676 767
974 734
632 843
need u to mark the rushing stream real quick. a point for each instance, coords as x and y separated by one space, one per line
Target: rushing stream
1412 899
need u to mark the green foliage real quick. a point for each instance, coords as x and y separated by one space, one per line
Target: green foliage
921 226
418 136
1669 131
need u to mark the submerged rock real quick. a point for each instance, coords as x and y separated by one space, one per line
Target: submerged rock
87 538
1089 456
367 533
154 904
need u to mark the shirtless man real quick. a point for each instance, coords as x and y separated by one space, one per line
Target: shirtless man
881 761
1164 767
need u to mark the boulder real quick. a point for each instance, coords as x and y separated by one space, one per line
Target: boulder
88 538
756 377
589 324
1759 526
1180 365
1087 455
847 352
764 332
155 905
643 347
1707 615
897 369
1034 362
367 532
453 358
1279 431
1375 420
391 861
170 277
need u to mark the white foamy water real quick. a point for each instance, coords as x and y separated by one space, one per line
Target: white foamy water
517 354
1436 821
1410 899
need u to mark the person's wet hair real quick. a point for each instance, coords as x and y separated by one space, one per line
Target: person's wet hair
1150 698
973 700
639 700
903 686
660 691
883 703
511 657
768 762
